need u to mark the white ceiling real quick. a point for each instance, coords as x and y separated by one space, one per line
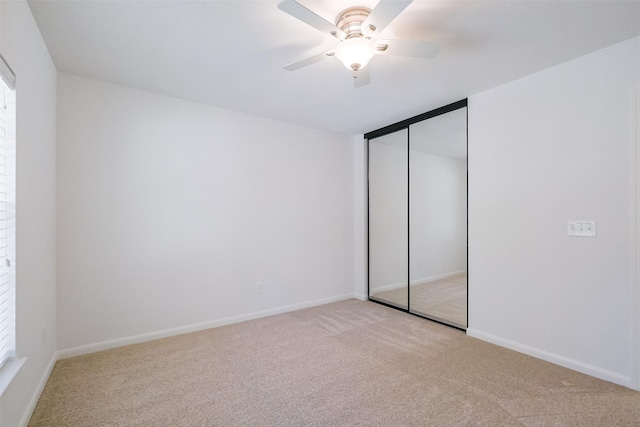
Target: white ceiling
230 54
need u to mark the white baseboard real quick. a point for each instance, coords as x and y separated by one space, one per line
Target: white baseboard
556 359
438 277
361 297
420 281
391 287
39 389
106 345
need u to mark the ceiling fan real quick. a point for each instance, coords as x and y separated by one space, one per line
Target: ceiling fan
358 30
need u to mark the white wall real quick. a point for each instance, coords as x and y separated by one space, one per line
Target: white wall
438 216
23 48
360 210
635 295
171 212
545 149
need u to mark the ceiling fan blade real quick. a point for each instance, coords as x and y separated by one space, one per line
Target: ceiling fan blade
410 48
385 12
309 17
362 79
310 60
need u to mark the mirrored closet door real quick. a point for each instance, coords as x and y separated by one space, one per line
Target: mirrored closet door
438 217
388 219
418 215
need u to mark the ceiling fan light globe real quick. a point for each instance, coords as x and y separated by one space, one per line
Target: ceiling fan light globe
356 52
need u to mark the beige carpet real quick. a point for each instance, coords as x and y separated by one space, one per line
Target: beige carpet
350 363
444 299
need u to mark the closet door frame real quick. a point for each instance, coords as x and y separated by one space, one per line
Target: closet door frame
404 124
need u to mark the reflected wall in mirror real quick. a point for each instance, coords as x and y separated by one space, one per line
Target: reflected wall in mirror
388 219
438 217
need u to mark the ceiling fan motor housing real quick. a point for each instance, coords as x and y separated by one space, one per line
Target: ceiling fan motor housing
350 21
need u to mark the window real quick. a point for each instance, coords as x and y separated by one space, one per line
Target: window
7 211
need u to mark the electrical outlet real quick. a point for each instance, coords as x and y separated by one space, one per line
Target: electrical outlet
260 287
582 229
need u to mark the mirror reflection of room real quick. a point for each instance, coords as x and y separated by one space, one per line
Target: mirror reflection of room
418 218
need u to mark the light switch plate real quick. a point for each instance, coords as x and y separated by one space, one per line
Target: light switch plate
582 229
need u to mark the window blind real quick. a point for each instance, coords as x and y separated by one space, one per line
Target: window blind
7 211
